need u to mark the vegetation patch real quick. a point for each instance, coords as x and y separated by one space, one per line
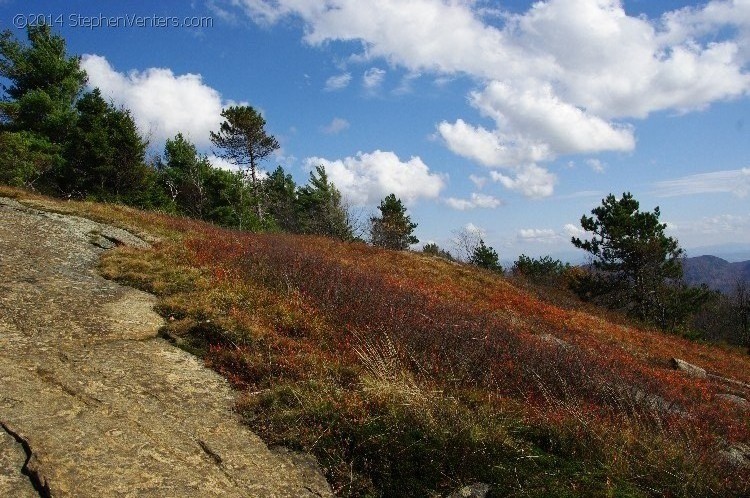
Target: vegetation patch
417 381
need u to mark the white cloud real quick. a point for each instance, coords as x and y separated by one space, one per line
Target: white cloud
338 82
535 109
571 230
490 148
596 165
542 235
479 181
221 163
368 177
737 225
373 78
475 201
474 229
530 180
337 125
162 103
549 235
405 87
562 77
736 182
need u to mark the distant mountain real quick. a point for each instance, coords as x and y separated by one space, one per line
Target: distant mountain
719 274
733 252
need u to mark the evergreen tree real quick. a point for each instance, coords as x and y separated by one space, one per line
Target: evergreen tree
25 157
544 268
44 83
185 174
636 265
243 141
486 257
105 155
393 228
37 111
280 193
320 208
433 249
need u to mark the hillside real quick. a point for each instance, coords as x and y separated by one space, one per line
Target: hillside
715 272
408 375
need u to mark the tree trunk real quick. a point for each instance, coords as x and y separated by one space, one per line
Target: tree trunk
256 190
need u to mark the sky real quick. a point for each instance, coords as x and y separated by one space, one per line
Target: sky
511 119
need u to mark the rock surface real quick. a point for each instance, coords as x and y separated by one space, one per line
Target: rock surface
91 402
476 490
688 368
737 400
738 456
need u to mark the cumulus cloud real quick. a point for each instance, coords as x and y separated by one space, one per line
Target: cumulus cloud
338 82
532 125
162 103
736 182
337 125
221 163
373 78
550 235
571 230
476 200
368 177
530 180
542 235
562 77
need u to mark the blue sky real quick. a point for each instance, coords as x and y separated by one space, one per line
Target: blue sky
513 118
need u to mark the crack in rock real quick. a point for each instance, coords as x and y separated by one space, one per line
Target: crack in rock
29 468
211 453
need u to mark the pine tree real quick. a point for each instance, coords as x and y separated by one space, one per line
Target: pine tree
320 208
486 257
637 267
280 193
243 141
393 228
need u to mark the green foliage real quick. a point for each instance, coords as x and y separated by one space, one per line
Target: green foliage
185 176
243 141
44 84
61 141
544 268
434 250
486 257
105 155
193 187
25 157
636 265
320 209
393 228
281 200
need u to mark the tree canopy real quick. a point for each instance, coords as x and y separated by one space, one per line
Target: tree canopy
321 209
393 228
485 257
243 141
65 141
637 267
